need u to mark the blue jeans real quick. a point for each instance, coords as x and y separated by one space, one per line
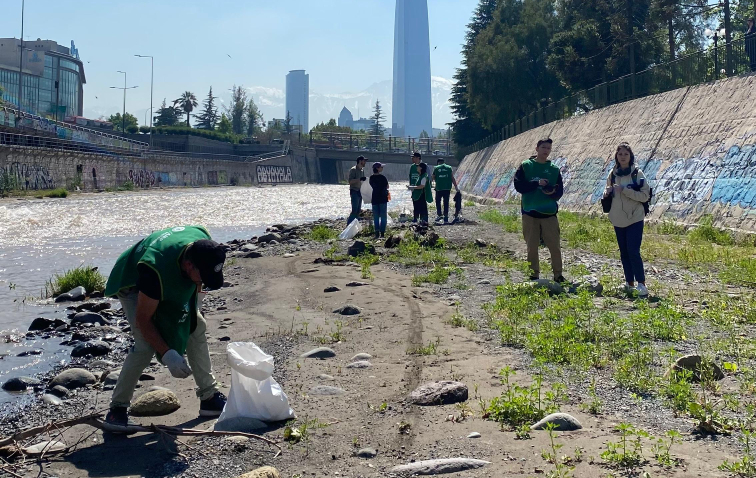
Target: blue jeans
629 240
356 197
379 217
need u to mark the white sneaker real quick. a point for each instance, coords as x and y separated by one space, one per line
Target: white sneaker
642 290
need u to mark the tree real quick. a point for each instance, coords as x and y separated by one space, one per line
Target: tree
187 102
237 110
377 129
224 125
331 127
1 95
166 115
424 134
119 123
208 118
287 124
254 118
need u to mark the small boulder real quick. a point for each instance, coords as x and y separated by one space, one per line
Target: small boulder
264 472
325 376
74 295
591 284
239 424
473 435
93 306
438 466
28 353
564 422
50 446
367 453
273 236
361 356
42 323
326 390
333 288
73 378
481 243
58 391
111 378
359 247
393 242
95 348
439 393
360 364
693 363
347 310
430 240
319 353
19 384
356 284
154 404
51 399
252 255
89 318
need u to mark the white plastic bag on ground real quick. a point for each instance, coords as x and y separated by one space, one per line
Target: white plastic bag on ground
254 392
351 230
367 192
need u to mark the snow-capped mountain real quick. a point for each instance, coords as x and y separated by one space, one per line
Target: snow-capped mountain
324 106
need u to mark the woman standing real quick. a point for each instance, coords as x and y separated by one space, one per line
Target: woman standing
419 192
628 189
380 186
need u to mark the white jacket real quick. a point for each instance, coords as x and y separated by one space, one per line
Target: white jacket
627 207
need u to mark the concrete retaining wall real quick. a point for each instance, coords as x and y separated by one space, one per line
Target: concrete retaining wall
696 145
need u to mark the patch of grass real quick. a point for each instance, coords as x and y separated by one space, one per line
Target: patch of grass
411 253
706 232
468 203
54 193
518 405
322 233
628 451
510 220
430 349
459 320
438 275
88 277
366 260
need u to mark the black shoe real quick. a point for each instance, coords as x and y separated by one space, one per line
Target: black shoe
560 280
213 406
383 235
119 416
533 278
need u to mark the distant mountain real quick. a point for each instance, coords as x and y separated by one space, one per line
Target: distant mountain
324 106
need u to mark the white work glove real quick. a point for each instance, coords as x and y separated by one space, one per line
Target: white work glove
176 364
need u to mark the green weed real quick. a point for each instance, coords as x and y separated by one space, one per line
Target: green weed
438 275
322 233
628 451
520 405
510 220
88 277
54 193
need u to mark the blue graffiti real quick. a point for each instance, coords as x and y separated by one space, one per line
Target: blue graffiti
736 184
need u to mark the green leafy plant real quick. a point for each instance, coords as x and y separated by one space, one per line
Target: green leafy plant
628 451
520 405
662 448
322 233
438 275
88 277
561 467
746 466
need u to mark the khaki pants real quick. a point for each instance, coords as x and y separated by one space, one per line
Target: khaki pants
534 228
141 354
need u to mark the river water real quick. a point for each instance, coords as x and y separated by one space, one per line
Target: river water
42 237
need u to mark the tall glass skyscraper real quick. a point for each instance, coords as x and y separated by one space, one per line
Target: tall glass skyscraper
298 99
411 111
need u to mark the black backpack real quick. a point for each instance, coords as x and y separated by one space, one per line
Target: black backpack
637 187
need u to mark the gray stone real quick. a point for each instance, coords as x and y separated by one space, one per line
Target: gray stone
693 363
325 390
360 364
102 363
564 422
51 399
42 323
76 294
347 310
356 284
112 377
359 247
484 282
93 306
95 349
333 288
481 243
264 472
240 424
361 356
552 287
324 376
28 353
252 255
438 466
319 353
50 446
439 393
156 403
474 435
273 236
249 247
73 378
89 318
367 453
19 384
590 283
59 391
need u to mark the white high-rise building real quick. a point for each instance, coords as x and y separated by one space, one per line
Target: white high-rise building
411 111
298 99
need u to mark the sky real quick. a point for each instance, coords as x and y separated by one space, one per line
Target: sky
345 45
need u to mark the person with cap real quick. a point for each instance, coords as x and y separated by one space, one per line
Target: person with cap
413 174
443 176
356 176
379 200
159 282
421 194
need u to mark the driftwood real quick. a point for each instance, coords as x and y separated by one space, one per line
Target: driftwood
9 445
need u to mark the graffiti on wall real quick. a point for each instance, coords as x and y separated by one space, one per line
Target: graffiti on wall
274 174
28 176
142 178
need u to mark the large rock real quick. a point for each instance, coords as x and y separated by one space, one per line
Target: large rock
273 236
95 348
74 295
111 378
73 378
347 310
319 353
240 424
155 404
439 393
359 247
564 422
89 318
438 466
42 323
264 472
19 384
693 363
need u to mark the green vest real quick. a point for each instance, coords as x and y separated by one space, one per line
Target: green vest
160 251
413 174
443 174
537 200
417 193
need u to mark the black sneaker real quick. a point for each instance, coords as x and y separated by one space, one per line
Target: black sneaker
533 278
119 417
560 280
213 406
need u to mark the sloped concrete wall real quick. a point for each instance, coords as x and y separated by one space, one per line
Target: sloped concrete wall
696 145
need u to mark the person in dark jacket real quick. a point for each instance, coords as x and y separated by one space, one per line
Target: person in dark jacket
750 43
540 183
421 194
380 186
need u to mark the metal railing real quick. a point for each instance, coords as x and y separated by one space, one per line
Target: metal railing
700 67
385 144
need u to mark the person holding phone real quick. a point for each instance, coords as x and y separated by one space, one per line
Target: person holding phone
356 176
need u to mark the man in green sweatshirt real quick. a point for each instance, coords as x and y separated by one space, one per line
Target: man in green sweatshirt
158 281
443 177
540 183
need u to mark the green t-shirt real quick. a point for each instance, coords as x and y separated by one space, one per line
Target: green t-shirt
444 175
161 251
537 200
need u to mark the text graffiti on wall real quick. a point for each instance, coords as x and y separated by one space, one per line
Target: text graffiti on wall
274 174
29 176
142 178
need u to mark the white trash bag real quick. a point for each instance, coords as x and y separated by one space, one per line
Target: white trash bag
367 192
254 392
351 230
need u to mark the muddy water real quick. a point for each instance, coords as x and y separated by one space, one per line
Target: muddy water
41 237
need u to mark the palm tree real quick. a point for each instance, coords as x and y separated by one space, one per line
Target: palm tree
187 102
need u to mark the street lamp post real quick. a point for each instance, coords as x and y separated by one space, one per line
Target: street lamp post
21 60
152 77
123 116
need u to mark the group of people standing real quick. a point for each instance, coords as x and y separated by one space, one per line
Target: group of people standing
626 196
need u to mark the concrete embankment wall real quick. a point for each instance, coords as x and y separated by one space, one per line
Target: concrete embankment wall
37 168
696 145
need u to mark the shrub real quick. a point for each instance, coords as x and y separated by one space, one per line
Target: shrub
510 220
706 232
132 129
88 277
144 129
204 133
54 193
321 233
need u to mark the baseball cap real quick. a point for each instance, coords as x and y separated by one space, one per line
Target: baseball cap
208 256
377 165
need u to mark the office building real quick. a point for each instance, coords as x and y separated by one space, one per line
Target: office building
53 78
411 111
363 124
346 120
298 99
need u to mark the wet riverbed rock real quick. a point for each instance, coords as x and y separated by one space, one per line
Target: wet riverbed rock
74 295
439 393
564 422
93 306
267 238
155 404
439 466
42 323
73 378
96 348
19 384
